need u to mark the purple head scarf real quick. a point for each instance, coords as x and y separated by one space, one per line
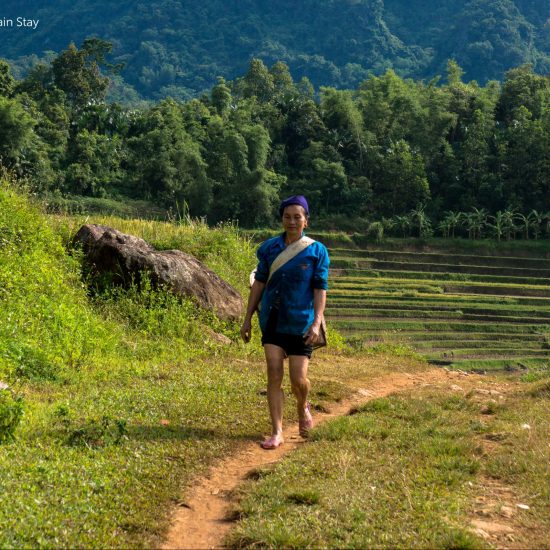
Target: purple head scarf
300 200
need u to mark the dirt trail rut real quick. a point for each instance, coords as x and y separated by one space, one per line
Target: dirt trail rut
201 519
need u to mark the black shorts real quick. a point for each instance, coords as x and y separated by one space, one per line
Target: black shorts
292 344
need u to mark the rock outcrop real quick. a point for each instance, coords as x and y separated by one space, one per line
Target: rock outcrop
125 258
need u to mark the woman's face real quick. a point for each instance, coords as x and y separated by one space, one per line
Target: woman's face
294 219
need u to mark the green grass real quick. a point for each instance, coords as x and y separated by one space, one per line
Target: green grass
405 472
125 395
394 474
124 207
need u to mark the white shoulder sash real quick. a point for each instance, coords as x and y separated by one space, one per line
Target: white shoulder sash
288 253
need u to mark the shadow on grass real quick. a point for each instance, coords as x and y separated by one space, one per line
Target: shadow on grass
159 433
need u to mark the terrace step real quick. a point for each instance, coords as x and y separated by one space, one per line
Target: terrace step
451 337
439 347
458 325
442 258
339 262
443 276
478 311
354 308
497 290
514 364
338 296
373 314
362 284
495 353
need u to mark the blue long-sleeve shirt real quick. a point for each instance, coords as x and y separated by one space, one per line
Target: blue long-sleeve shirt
291 286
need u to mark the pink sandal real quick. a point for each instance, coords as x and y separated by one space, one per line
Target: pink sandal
272 442
306 423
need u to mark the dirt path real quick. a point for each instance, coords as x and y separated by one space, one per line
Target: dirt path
200 521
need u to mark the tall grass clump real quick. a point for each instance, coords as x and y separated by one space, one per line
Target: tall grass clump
48 327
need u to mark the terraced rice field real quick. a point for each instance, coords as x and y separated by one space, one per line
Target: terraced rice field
476 312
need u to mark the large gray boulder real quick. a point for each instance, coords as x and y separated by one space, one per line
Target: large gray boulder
125 257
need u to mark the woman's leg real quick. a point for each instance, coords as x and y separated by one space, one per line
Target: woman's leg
275 357
298 365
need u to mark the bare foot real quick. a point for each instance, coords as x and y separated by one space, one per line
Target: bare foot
272 442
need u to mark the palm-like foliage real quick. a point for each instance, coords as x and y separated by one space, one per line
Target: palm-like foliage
451 221
498 224
475 222
534 221
403 224
421 221
508 223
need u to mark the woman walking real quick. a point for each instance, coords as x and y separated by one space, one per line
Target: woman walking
290 287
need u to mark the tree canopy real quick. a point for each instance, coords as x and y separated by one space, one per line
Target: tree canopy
382 150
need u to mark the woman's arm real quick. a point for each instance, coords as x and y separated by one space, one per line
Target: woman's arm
256 291
319 303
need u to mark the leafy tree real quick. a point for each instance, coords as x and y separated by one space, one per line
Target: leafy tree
474 153
221 96
401 181
523 88
282 79
498 225
535 219
344 122
16 132
421 221
78 72
165 163
7 82
93 164
475 222
257 82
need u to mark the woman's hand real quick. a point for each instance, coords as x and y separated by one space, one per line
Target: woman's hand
312 334
246 330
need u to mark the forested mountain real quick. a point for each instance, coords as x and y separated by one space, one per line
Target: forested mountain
179 48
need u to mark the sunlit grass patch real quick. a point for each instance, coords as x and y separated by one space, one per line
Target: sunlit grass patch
393 474
407 471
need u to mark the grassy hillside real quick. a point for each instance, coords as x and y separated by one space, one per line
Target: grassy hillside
123 395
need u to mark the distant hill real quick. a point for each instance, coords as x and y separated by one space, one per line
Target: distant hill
178 48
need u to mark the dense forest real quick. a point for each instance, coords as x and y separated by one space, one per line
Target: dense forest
378 152
179 48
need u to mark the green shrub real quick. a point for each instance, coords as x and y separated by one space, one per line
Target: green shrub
11 411
97 432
